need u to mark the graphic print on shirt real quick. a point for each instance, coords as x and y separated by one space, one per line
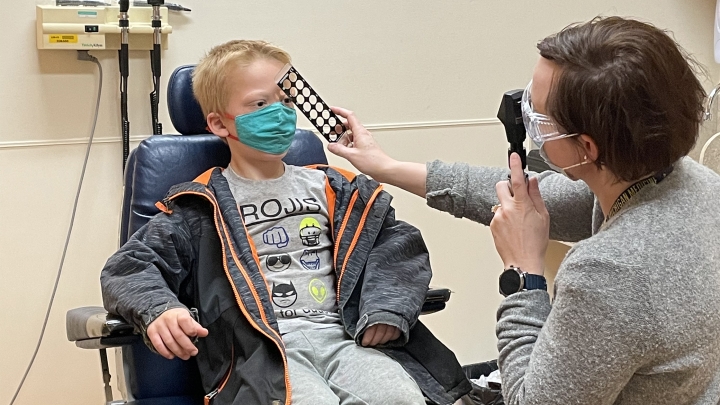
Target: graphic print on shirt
278 262
317 290
293 313
310 231
276 236
310 260
276 209
290 225
284 295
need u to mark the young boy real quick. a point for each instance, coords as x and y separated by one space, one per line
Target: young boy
296 272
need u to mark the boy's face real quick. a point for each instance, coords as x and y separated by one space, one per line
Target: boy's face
251 88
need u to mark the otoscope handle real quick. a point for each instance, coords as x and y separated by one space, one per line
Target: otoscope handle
155 60
155 65
124 61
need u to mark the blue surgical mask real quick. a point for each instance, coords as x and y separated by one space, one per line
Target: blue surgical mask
270 129
559 169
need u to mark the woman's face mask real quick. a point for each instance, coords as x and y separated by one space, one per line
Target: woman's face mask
559 169
270 130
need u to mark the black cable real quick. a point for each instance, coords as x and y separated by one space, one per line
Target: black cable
125 122
154 107
82 55
124 60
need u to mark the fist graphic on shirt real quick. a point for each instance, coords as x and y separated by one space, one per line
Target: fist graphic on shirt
276 236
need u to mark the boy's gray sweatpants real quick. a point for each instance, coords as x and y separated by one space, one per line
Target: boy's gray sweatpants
328 368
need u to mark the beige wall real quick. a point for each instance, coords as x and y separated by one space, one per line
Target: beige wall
407 63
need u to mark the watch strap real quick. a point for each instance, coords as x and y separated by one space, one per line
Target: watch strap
534 282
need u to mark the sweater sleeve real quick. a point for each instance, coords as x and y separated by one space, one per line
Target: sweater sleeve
582 351
469 192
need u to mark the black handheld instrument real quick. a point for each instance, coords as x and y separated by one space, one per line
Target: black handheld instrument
155 65
510 114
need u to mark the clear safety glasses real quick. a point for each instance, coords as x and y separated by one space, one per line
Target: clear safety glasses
539 127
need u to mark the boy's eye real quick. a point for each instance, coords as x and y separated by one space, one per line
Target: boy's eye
261 103
287 100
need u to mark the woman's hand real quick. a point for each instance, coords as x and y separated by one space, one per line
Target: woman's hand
521 224
360 149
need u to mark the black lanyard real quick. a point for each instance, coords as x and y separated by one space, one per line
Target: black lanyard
634 189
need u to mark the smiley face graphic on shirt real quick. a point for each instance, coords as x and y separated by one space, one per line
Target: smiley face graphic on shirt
279 262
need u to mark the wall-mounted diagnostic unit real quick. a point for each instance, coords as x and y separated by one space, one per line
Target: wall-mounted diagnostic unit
97 27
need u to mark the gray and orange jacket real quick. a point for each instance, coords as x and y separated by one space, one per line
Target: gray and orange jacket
197 254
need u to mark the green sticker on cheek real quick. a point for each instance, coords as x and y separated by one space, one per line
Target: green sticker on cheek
318 290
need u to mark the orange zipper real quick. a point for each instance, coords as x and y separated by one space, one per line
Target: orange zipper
257 298
356 236
209 397
248 281
348 211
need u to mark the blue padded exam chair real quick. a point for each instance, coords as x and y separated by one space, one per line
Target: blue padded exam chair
159 162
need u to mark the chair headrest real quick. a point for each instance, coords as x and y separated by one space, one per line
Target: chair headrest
185 112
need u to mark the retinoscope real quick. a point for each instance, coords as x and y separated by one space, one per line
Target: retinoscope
510 114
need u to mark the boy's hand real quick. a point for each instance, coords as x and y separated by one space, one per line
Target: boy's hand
379 334
169 333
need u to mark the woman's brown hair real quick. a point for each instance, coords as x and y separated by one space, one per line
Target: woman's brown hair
629 86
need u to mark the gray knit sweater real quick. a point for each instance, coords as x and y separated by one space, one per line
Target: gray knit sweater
636 313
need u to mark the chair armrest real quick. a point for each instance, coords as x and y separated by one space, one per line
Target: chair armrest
435 300
94 328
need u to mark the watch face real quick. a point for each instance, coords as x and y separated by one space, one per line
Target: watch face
510 282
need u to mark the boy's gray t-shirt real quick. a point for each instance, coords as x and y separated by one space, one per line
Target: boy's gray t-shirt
287 219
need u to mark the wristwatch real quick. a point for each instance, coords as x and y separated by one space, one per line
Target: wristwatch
514 280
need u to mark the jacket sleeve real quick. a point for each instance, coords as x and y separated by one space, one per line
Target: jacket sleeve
144 278
469 191
396 280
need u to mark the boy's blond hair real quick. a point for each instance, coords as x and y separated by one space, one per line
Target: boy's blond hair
210 75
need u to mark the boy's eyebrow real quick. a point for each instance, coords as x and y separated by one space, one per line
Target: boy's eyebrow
263 93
